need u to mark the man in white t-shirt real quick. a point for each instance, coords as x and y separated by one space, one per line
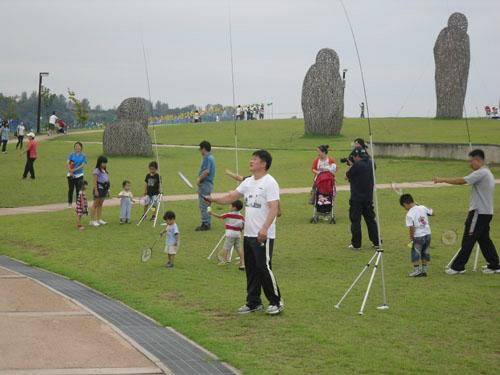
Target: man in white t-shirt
262 195
477 224
417 220
52 122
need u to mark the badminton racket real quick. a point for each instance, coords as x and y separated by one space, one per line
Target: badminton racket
396 188
184 179
147 252
449 237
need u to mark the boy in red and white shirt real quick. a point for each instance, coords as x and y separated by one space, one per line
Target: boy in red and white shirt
234 223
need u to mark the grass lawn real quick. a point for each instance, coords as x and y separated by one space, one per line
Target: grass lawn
293 156
289 134
438 324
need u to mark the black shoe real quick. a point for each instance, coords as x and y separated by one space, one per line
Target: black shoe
202 228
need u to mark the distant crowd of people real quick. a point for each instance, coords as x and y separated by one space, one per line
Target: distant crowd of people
491 112
250 112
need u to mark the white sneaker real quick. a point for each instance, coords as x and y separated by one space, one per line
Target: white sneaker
416 273
245 309
102 222
94 223
275 310
353 248
451 271
489 271
70 205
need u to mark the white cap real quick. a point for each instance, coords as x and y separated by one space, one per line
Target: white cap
31 134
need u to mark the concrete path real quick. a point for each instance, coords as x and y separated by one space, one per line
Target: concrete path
227 148
44 333
45 137
185 197
50 325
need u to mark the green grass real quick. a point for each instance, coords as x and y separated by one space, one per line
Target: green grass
289 134
292 158
439 324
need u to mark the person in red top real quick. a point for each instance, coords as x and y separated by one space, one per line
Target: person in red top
323 163
234 224
30 156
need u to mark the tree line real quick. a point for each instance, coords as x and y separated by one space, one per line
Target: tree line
74 111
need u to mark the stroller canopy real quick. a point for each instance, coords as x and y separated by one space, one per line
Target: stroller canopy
324 183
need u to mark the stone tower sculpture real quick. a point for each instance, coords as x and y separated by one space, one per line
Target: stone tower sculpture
128 135
452 58
323 95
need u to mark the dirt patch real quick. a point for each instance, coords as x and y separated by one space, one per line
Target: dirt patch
173 295
31 246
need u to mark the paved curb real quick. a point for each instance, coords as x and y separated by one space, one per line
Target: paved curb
165 347
7 211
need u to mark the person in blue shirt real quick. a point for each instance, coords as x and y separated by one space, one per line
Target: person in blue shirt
76 162
206 177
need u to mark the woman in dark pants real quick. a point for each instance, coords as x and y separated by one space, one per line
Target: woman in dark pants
75 164
101 186
31 154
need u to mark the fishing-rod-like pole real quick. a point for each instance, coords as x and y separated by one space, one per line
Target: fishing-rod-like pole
146 71
234 94
377 216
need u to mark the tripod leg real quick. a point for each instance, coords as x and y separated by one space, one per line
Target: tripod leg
157 209
144 216
337 306
476 258
365 298
452 259
216 246
384 306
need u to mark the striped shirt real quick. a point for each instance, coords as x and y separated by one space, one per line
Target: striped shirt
81 204
234 223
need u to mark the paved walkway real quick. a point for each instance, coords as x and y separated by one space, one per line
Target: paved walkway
50 325
45 137
185 197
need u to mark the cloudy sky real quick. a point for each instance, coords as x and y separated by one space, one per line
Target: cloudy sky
94 47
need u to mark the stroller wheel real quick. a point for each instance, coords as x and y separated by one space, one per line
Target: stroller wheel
333 220
314 220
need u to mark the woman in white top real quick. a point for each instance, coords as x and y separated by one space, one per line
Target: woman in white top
323 162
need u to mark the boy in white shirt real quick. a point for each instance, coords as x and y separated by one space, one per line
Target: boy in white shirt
417 220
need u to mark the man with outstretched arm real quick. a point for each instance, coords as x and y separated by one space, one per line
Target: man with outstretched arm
261 193
477 225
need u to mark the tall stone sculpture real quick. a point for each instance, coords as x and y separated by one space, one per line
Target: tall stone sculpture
452 58
128 134
323 95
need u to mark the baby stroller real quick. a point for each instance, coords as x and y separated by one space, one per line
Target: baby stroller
324 198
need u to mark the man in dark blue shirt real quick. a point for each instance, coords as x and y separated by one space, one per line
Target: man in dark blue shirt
206 177
360 176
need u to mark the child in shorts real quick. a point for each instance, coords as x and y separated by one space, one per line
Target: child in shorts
152 189
417 220
126 200
234 223
82 207
172 237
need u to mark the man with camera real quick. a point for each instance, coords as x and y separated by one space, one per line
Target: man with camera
359 172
